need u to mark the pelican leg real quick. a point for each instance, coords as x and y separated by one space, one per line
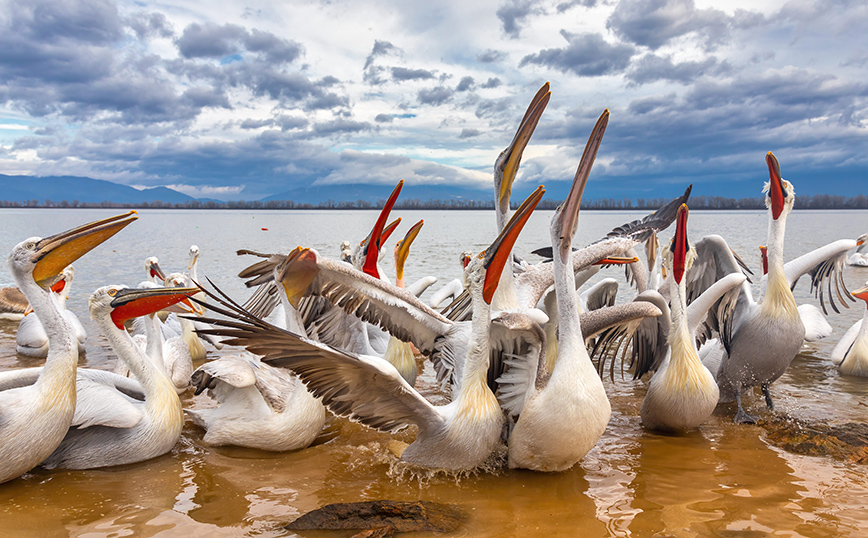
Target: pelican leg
742 417
767 394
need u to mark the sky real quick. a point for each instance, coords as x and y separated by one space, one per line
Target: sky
243 99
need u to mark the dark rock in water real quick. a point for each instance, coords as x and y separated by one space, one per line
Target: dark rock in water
382 517
847 442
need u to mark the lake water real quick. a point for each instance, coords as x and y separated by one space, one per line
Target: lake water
721 480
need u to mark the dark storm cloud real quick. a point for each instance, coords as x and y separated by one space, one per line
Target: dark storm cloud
585 55
401 74
652 23
513 13
652 68
491 56
435 96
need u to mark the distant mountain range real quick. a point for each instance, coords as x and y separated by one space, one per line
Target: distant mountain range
320 194
81 189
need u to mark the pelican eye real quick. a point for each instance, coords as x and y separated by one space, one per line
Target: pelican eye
482 255
112 292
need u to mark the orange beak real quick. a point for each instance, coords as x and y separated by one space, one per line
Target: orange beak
375 242
776 186
679 244
500 252
402 249
616 260
861 293
54 253
58 287
514 151
297 272
131 303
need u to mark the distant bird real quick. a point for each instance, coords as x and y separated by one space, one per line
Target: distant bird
858 258
13 304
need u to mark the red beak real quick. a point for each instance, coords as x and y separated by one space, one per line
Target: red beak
376 241
776 186
679 245
765 254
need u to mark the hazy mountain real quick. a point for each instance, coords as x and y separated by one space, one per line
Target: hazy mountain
83 189
316 194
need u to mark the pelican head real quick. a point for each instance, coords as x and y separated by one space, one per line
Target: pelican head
296 272
860 242
464 258
194 255
120 303
780 195
862 293
152 266
506 165
46 258
566 216
402 248
485 269
680 255
184 306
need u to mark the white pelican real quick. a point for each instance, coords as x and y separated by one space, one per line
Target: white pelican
117 429
36 417
193 263
758 341
816 326
560 416
155 273
400 354
31 339
858 258
851 353
453 288
259 406
457 436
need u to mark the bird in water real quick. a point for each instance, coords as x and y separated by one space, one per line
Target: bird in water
851 352
117 428
36 417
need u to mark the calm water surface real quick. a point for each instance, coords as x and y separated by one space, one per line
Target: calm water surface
722 480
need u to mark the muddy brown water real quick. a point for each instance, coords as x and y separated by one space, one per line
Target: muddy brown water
720 480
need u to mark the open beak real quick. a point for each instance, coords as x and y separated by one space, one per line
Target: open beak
387 231
570 209
58 286
157 271
776 186
129 303
402 249
764 252
375 241
679 244
297 272
496 256
54 253
514 151
861 293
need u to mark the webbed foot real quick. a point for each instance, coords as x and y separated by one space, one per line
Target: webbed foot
743 417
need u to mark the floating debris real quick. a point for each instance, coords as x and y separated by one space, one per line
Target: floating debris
846 442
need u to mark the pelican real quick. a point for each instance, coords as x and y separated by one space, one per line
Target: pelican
155 273
851 353
560 416
454 287
117 429
858 258
13 304
400 354
816 326
193 263
36 417
457 436
758 341
31 339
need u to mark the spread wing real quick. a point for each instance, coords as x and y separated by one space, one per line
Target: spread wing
825 266
365 389
517 360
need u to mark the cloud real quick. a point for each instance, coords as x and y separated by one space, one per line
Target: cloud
491 56
401 74
513 13
465 84
653 68
469 133
585 55
204 191
213 41
340 126
492 82
434 96
653 23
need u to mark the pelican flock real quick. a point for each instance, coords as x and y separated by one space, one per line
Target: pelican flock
516 357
